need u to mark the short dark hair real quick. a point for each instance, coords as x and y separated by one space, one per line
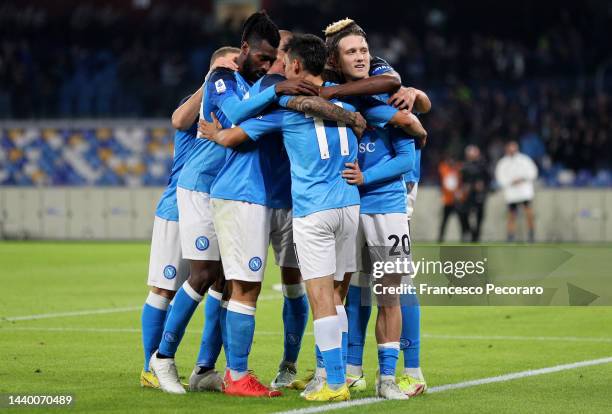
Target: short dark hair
222 52
260 27
310 50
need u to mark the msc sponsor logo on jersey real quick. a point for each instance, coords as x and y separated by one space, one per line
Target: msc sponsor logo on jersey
170 337
367 146
255 263
169 272
220 86
202 243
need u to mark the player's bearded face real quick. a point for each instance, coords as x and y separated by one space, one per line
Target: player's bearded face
354 57
258 60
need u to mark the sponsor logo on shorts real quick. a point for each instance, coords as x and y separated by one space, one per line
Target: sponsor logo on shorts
202 243
170 337
255 263
169 272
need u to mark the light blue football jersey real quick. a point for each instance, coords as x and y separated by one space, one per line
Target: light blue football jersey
256 171
415 175
183 143
384 147
206 157
317 151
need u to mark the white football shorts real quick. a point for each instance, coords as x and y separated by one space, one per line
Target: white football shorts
167 269
198 236
382 238
411 200
325 242
281 237
243 230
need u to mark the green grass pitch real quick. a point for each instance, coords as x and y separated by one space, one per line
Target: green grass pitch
98 357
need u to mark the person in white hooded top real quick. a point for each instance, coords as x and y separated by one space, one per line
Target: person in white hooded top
515 174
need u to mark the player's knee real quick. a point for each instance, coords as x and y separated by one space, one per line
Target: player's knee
168 294
245 291
290 276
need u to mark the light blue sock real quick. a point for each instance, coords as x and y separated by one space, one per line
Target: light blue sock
152 321
333 366
319 358
387 358
210 346
240 331
186 301
329 341
410 341
295 318
223 323
343 320
358 315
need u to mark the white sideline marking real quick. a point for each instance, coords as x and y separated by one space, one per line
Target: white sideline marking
455 386
95 312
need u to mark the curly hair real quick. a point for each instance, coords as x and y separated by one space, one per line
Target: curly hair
259 27
336 32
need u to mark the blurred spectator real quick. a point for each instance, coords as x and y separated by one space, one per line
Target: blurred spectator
528 72
515 174
475 178
452 197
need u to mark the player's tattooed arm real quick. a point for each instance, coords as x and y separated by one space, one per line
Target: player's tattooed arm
214 131
369 86
411 125
185 115
320 108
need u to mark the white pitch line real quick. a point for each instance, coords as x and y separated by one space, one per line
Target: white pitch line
73 313
95 312
458 385
519 338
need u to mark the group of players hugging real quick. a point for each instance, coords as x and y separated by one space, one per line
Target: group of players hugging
311 146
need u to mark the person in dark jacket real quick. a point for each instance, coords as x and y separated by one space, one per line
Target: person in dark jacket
476 178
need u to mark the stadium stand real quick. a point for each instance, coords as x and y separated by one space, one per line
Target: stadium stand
544 85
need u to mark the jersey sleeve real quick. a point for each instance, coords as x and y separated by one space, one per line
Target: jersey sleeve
400 164
378 66
221 86
375 111
269 122
271 80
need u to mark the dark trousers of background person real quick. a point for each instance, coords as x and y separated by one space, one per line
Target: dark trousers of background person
460 211
474 213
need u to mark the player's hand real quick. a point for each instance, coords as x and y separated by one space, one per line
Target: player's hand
328 92
403 99
209 130
225 62
359 124
297 87
421 141
353 174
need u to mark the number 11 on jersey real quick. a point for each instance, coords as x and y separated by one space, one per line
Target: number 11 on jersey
322 136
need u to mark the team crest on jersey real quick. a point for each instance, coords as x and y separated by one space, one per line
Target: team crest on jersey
202 243
170 272
220 86
255 263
